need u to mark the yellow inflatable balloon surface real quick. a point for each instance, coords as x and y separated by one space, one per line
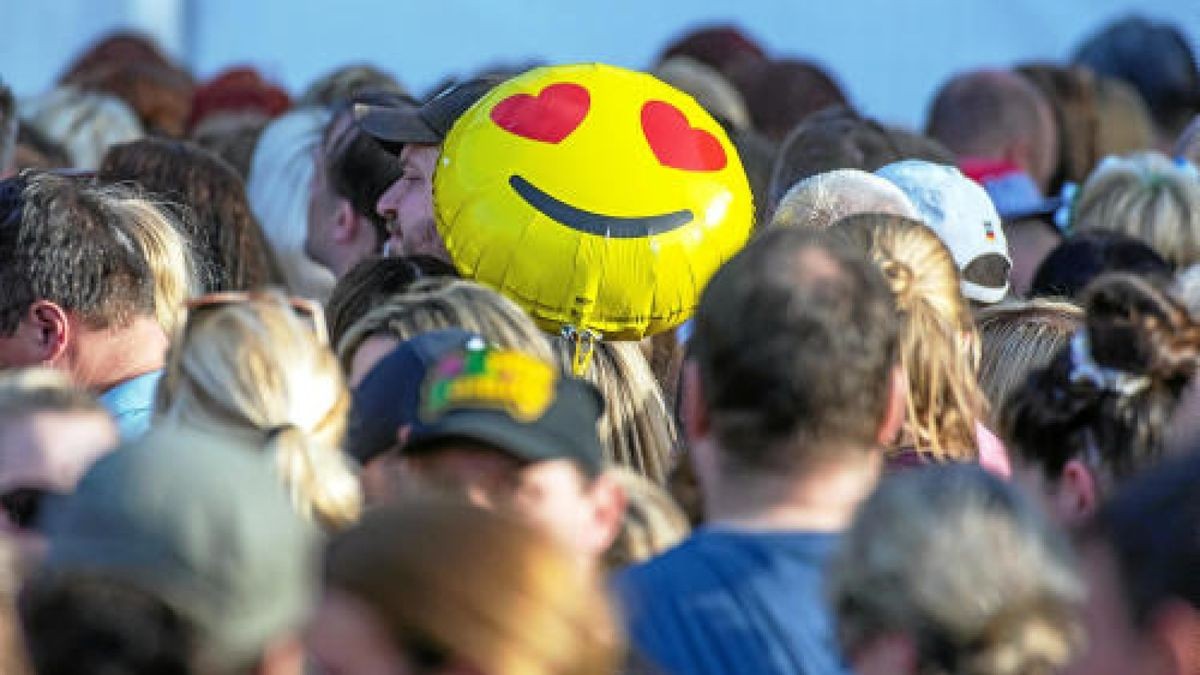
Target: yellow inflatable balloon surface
598 198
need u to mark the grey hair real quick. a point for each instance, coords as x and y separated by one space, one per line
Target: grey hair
963 565
820 201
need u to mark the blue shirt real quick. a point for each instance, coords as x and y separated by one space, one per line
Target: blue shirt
728 602
130 403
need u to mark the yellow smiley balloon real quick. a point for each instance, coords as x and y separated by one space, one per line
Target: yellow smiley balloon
596 197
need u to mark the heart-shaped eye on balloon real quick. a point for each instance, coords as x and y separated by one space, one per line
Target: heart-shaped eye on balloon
548 117
676 143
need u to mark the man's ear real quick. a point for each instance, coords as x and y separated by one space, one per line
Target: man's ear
345 222
895 409
49 330
608 500
693 412
1077 495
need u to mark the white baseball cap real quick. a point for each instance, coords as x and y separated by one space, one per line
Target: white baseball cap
962 215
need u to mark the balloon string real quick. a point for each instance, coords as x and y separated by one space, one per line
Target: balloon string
583 346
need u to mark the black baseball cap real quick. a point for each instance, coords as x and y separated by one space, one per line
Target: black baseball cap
513 402
427 124
388 396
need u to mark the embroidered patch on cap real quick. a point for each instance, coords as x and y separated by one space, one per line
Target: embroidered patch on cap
485 378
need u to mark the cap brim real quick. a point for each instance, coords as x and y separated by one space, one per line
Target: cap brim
492 429
395 125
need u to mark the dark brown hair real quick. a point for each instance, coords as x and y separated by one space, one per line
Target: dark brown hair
59 241
160 95
795 339
1063 412
1071 93
839 138
208 200
782 93
371 282
357 168
1151 527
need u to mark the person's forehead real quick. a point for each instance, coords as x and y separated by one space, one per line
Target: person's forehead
466 453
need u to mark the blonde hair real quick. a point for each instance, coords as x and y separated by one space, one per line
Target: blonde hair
652 523
819 201
446 302
1146 196
482 587
636 429
85 123
963 565
939 345
255 369
1123 122
1018 338
168 255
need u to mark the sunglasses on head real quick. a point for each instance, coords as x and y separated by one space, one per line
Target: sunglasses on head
25 506
306 309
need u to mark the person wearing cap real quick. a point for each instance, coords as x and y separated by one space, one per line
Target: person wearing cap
962 215
416 134
1002 130
792 388
509 431
385 406
200 529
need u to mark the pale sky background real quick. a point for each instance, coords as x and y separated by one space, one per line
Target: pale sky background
889 55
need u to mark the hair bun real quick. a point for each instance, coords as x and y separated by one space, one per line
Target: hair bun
900 279
1137 327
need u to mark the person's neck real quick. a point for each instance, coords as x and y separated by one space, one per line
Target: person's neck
101 359
821 497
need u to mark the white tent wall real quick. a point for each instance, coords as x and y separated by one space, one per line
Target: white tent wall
890 55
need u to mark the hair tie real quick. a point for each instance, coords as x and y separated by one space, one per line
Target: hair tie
1085 369
1062 216
274 432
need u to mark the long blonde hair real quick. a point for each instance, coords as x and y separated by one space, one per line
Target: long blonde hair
255 369
653 521
482 587
939 345
636 429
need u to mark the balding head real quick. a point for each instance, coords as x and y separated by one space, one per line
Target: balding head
995 114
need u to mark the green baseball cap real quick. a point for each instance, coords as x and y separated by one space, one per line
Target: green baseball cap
205 525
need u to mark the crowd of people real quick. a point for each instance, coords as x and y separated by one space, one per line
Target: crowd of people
938 416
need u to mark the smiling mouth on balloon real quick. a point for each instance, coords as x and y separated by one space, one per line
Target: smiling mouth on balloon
619 227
